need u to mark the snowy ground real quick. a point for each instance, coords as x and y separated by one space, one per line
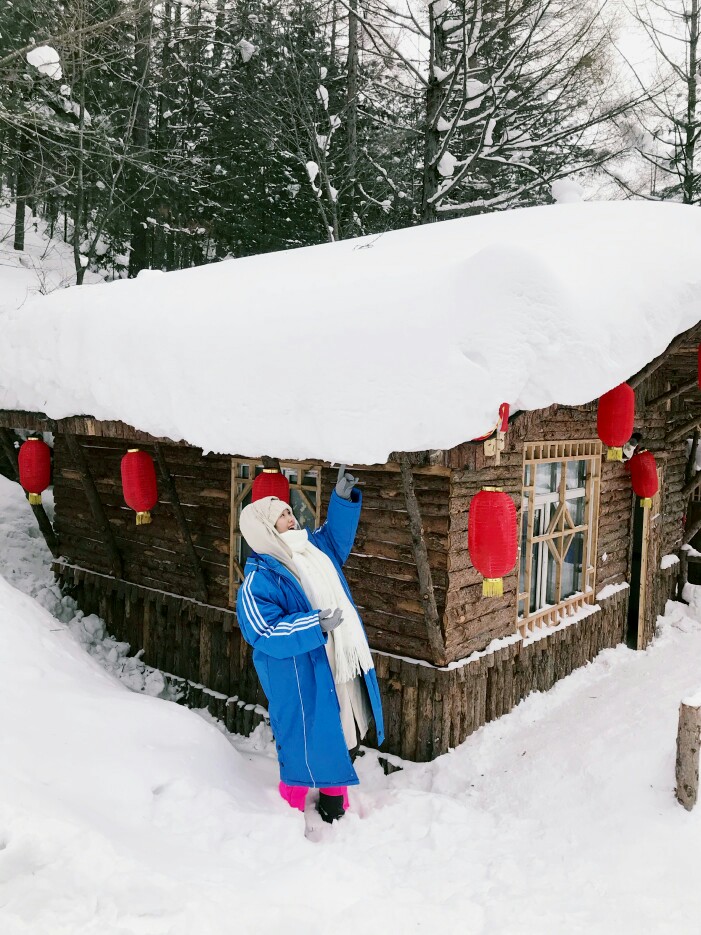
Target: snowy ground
122 814
42 267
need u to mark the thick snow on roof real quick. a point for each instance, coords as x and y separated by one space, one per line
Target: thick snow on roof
403 341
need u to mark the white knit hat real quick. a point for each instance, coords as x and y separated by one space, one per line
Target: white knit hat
257 525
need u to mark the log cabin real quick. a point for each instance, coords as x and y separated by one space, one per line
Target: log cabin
594 568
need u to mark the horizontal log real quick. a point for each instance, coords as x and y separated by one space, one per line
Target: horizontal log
394 536
400 625
390 551
387 519
385 641
405 606
399 571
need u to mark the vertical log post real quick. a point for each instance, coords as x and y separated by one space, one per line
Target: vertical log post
98 512
43 521
688 742
428 597
182 524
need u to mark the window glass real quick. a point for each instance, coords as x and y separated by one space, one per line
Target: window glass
535 577
551 595
576 507
524 541
576 474
300 508
547 477
572 567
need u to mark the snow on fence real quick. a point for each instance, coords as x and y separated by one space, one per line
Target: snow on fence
688 743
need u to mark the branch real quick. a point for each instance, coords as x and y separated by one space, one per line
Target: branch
71 35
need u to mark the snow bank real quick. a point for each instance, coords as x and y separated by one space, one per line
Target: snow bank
42 267
402 341
125 815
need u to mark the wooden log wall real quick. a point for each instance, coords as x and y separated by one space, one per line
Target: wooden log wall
472 622
154 555
429 710
381 570
195 642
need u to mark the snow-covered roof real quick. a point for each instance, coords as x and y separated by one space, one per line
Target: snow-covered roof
345 352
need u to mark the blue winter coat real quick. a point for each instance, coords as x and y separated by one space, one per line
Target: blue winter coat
289 653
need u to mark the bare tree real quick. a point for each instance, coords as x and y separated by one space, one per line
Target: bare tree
518 95
664 129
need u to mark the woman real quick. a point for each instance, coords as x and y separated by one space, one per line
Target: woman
309 647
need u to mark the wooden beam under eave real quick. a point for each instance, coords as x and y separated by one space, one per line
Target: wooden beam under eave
98 512
655 364
675 434
182 524
672 394
428 597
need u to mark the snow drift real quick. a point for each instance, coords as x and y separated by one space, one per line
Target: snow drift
401 341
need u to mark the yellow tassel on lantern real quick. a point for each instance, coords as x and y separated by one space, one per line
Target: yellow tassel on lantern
142 519
614 454
646 502
35 499
492 587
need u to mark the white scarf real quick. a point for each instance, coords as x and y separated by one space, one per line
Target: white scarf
323 588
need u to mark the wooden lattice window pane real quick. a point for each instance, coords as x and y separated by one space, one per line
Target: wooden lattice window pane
305 500
559 521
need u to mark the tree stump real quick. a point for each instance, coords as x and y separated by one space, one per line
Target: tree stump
688 743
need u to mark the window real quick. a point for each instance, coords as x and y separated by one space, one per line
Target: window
305 500
559 521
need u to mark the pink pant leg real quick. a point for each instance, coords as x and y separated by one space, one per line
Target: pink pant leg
293 795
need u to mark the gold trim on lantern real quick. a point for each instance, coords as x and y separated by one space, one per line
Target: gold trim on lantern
646 502
270 471
614 454
133 450
35 498
492 587
143 518
493 490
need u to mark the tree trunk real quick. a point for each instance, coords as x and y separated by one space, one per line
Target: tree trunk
434 100
79 200
352 116
688 741
691 128
23 187
139 253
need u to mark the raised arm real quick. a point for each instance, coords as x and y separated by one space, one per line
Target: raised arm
337 535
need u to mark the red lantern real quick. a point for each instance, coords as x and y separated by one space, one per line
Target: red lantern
643 476
492 537
614 420
139 484
34 462
271 483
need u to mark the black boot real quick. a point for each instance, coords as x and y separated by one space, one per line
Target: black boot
330 807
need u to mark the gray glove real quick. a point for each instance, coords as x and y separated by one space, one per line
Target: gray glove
329 620
345 485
